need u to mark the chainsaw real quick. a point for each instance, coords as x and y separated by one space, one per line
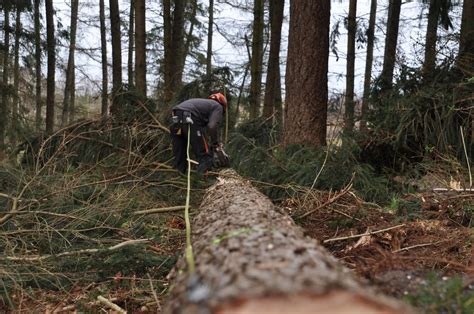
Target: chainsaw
220 159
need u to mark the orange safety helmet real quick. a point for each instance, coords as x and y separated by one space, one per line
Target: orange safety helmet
220 98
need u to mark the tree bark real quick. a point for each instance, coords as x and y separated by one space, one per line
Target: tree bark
116 56
252 258
306 73
189 35
51 83
38 101
6 54
272 100
174 47
131 40
140 46
466 44
16 78
431 38
105 75
257 59
68 101
368 65
350 68
391 38
210 29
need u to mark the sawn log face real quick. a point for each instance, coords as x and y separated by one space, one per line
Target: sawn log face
245 249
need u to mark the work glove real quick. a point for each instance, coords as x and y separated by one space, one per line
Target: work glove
220 159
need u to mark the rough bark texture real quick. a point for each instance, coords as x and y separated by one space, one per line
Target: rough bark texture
350 66
391 38
68 106
38 65
368 65
257 59
306 73
131 40
272 100
4 105
466 45
174 47
51 83
252 258
16 78
105 76
210 28
431 38
116 55
140 46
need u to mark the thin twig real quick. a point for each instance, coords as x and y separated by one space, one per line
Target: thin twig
418 245
362 234
467 157
154 293
159 210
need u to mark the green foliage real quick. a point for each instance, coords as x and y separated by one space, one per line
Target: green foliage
443 296
254 154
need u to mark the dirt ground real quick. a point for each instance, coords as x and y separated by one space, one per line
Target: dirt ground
427 233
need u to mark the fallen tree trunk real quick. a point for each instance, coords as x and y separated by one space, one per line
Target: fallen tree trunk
251 258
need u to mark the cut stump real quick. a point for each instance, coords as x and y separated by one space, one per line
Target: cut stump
252 258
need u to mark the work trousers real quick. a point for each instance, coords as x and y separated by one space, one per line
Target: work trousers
199 147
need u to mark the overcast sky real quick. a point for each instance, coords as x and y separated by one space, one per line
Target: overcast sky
412 33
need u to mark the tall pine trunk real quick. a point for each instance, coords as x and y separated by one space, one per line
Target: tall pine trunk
391 39
51 83
189 34
368 65
131 40
6 54
257 58
38 101
68 107
210 31
16 78
307 73
174 47
272 101
431 38
140 47
103 45
116 56
466 44
350 68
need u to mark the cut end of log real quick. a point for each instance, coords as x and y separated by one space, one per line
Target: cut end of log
336 302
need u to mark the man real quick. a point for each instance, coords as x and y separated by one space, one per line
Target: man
197 115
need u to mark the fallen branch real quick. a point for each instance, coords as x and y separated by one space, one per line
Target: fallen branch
329 201
362 234
159 210
110 304
418 245
84 251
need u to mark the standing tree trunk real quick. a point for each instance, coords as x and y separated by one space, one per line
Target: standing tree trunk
173 44
189 35
466 44
272 101
50 87
368 65
431 38
140 46
16 78
257 58
391 38
6 54
350 65
307 73
68 106
116 56
210 30
131 40
37 65
252 258
103 45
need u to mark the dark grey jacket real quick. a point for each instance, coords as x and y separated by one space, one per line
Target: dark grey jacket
205 113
